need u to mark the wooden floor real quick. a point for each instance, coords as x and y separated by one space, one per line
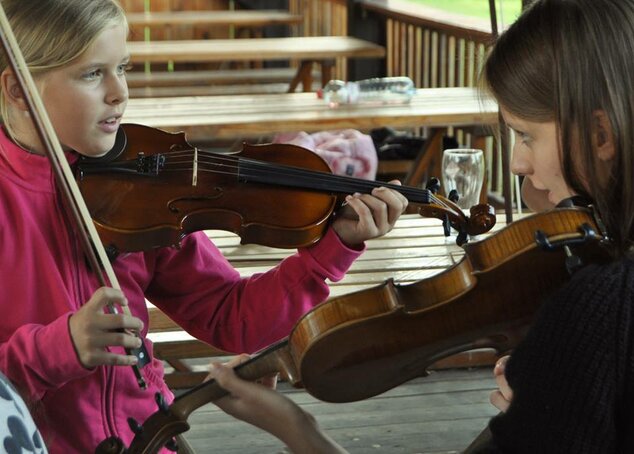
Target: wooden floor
441 413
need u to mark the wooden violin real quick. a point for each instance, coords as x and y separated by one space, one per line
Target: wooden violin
359 345
154 187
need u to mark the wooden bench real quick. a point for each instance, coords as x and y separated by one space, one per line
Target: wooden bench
244 18
211 77
415 249
323 50
213 82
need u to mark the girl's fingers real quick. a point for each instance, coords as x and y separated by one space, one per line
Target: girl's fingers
113 359
237 360
104 296
500 365
227 379
500 379
504 387
117 339
395 201
118 321
268 381
498 401
372 211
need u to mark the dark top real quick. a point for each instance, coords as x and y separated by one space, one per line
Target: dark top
572 377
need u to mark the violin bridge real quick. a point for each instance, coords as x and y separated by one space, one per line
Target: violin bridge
195 168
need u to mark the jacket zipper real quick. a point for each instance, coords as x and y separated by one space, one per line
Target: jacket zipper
107 373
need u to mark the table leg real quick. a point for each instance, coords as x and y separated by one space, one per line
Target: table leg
427 163
304 75
327 67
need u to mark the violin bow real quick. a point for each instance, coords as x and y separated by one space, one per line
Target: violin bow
84 226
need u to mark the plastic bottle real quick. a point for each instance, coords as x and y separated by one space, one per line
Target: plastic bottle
379 90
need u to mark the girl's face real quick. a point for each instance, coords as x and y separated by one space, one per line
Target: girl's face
536 156
86 99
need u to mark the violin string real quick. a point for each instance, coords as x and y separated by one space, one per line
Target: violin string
308 176
311 177
255 168
279 170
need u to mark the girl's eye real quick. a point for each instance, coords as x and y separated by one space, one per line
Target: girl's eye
92 74
122 69
522 137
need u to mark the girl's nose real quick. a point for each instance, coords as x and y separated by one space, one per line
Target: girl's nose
117 91
520 164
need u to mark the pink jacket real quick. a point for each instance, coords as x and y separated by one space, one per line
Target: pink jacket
45 279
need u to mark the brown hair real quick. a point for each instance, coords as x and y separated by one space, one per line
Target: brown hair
561 61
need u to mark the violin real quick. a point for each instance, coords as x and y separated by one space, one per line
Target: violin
359 345
153 188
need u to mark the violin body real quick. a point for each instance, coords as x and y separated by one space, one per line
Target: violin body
134 211
153 188
359 345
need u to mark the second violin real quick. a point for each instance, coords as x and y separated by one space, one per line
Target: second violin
359 345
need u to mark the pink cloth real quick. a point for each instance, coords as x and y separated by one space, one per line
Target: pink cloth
347 152
45 280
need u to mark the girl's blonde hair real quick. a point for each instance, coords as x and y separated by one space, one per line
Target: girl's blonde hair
53 33
562 61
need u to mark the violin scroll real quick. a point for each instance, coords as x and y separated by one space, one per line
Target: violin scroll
481 220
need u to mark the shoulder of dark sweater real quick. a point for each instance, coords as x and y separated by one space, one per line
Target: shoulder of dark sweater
586 319
571 374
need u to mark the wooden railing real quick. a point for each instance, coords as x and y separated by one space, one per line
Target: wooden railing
323 18
437 49
432 48
180 31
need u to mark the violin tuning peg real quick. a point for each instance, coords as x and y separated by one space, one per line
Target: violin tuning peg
172 445
135 426
433 185
160 401
453 196
462 238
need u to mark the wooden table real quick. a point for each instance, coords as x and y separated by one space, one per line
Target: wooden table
248 116
260 18
214 117
415 249
308 50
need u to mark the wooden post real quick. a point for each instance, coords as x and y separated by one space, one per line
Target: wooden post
507 179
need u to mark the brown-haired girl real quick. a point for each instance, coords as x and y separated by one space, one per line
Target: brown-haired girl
563 76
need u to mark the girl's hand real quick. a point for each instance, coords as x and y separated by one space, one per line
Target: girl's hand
254 403
368 216
92 330
501 398
271 411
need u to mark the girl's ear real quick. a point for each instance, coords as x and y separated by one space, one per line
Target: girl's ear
602 136
11 90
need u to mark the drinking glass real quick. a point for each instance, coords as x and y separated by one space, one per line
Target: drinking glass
463 170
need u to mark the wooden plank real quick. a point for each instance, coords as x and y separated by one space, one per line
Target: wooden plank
208 77
253 49
209 90
206 117
243 18
441 413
